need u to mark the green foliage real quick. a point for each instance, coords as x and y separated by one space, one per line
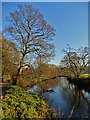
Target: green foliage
19 104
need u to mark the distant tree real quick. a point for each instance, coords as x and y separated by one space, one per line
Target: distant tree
39 62
31 33
46 70
76 60
10 59
27 73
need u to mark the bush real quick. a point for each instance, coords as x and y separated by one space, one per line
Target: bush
19 104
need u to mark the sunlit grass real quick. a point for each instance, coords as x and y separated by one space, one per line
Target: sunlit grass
84 76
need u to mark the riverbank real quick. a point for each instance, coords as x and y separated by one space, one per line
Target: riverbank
4 84
17 103
83 82
63 97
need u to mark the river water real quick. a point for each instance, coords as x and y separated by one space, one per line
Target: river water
63 96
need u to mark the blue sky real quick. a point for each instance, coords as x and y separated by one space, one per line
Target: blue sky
70 19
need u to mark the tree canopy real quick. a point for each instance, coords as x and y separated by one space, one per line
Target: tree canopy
32 34
10 59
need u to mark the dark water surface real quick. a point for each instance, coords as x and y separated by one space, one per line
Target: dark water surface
63 97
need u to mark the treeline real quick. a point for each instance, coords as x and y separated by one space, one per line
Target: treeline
70 65
10 64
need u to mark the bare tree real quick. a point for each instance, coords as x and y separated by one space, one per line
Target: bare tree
76 60
31 33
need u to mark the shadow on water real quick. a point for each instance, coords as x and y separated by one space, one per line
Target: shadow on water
67 99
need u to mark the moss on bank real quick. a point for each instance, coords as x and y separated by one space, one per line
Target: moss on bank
19 104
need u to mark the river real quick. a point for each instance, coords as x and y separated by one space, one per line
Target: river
63 96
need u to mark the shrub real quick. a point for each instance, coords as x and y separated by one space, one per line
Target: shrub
19 104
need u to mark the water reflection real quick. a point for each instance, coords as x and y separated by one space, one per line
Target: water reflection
64 97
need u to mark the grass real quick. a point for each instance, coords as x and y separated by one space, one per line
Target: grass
84 76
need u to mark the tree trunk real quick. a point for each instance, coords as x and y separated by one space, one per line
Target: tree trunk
19 74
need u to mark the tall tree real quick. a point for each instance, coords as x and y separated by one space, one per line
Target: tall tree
10 59
76 60
31 32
